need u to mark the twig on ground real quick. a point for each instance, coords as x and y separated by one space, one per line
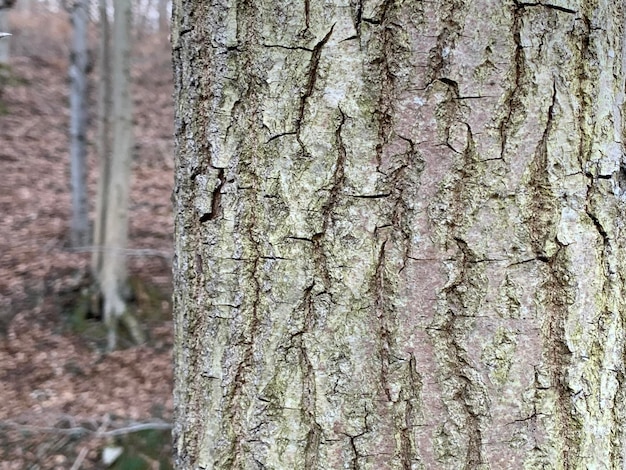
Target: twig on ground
79 460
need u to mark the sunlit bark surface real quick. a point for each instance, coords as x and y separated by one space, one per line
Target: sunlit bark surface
399 234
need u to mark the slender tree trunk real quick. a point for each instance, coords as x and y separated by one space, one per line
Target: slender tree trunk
79 231
114 273
104 139
4 27
399 234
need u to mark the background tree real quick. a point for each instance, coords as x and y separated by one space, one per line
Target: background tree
164 17
114 276
79 63
399 234
4 26
104 137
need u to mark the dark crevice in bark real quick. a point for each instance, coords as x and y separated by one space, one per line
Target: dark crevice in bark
370 196
384 8
451 30
385 82
312 74
356 455
290 48
513 100
278 136
558 293
246 327
336 187
545 5
382 314
399 181
309 390
585 80
408 452
358 17
559 296
307 14
354 464
543 214
463 296
216 199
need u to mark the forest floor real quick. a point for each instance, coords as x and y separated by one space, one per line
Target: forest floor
63 398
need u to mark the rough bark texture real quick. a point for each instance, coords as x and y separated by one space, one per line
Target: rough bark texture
399 234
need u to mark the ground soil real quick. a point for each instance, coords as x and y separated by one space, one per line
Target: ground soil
62 396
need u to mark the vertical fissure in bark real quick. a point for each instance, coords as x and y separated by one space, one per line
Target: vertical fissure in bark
309 388
557 292
382 313
386 83
241 392
358 17
337 183
316 54
513 101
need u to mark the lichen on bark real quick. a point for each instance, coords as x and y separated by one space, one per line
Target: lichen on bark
398 234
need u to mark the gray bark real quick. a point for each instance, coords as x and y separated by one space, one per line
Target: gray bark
4 45
114 274
104 139
399 234
79 231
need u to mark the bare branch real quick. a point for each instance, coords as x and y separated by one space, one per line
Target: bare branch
79 430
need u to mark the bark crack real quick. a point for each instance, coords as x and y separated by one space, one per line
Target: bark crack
309 389
557 291
462 296
384 333
316 54
513 100
545 5
336 186
216 198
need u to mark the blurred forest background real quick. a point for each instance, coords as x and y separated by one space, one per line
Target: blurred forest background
67 402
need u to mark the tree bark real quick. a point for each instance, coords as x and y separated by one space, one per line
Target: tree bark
399 234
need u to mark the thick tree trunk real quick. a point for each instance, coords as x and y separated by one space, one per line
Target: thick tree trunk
399 234
79 229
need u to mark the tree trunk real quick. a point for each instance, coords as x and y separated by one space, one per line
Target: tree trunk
4 45
164 17
104 138
399 234
114 275
79 230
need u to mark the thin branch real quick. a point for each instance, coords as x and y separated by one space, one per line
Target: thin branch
126 251
82 430
79 460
